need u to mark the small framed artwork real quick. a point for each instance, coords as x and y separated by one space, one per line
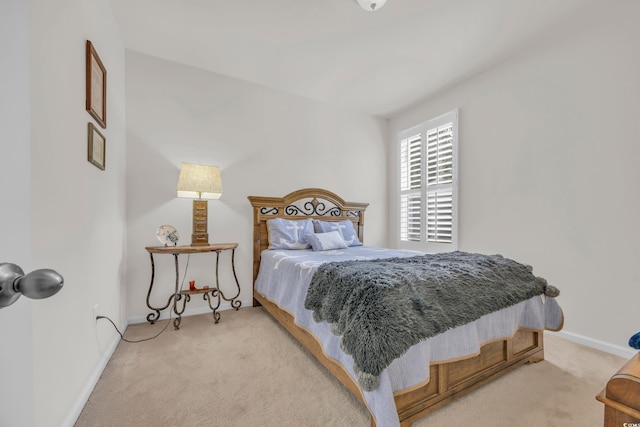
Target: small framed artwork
96 103
96 147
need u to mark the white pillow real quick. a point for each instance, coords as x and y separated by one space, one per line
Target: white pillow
326 241
288 234
344 227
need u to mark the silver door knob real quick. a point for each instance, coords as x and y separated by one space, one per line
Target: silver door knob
36 285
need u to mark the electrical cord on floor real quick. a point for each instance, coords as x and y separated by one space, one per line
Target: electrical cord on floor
135 341
165 326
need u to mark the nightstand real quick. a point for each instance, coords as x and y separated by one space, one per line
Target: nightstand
209 295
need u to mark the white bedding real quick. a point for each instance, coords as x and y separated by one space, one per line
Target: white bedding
284 278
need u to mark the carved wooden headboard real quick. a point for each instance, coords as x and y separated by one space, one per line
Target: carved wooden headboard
314 203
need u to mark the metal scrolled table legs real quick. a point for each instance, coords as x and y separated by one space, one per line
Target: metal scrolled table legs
152 317
214 310
212 296
235 302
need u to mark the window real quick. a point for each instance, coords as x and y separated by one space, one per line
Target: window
428 185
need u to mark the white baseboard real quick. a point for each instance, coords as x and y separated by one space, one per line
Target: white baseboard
224 306
625 352
83 397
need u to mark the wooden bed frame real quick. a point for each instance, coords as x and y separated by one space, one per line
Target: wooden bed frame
448 380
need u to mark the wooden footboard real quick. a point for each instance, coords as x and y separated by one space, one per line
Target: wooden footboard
453 379
448 380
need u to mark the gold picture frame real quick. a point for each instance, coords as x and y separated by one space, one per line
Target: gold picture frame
96 81
96 147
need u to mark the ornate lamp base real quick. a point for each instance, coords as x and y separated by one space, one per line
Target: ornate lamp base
200 236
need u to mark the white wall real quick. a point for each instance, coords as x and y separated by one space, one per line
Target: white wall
266 143
78 217
548 161
16 325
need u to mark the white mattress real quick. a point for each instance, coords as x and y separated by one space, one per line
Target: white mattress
284 278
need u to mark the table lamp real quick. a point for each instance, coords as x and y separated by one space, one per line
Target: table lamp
201 183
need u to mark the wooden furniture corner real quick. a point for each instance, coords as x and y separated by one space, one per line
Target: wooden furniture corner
621 396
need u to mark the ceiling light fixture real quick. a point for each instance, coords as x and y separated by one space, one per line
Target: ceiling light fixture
371 5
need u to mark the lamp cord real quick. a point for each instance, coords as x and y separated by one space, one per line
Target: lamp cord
135 341
165 326
186 268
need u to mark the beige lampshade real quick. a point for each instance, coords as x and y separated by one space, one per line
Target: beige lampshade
199 181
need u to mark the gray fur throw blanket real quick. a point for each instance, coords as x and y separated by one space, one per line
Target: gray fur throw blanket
382 307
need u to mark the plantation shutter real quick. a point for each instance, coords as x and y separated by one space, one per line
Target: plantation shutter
440 184
428 185
410 187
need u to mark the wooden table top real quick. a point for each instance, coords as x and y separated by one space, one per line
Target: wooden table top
188 249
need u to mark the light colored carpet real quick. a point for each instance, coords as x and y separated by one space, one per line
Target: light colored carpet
248 371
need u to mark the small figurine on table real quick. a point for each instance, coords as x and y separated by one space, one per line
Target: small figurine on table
168 235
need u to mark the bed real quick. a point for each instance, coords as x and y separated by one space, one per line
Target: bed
429 374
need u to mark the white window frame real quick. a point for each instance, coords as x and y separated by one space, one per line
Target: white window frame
419 241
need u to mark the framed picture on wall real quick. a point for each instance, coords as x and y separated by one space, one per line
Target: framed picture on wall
96 147
96 99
